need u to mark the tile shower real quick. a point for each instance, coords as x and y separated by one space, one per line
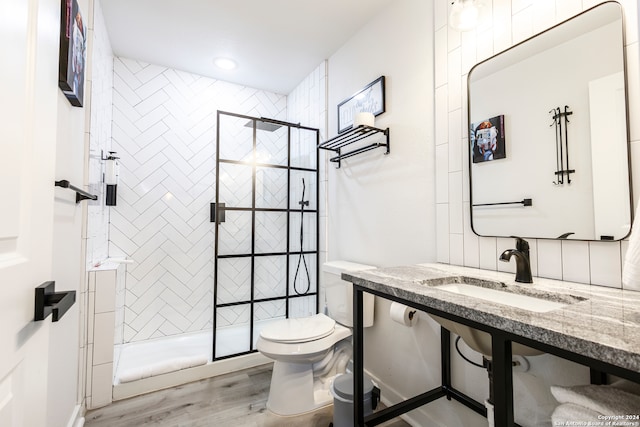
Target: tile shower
164 131
260 174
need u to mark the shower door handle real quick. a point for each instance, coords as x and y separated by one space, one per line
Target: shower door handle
216 213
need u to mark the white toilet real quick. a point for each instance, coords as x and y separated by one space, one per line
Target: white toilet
309 351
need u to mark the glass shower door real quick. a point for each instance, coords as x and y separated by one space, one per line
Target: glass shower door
257 227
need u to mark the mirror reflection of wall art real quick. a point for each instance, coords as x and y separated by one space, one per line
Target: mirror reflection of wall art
487 140
73 35
370 99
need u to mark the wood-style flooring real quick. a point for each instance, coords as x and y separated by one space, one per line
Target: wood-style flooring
235 399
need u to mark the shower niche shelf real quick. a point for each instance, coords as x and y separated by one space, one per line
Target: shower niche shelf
337 143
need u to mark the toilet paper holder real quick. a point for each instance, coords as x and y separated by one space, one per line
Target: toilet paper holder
402 314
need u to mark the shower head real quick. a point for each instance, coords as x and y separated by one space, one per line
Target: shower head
261 125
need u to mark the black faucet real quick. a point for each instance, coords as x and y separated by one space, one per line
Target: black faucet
523 266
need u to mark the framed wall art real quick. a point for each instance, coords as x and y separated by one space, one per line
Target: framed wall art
73 36
487 140
369 99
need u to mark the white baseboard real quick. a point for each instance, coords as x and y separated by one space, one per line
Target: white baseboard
77 417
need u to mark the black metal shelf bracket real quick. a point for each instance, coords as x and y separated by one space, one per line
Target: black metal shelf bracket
356 134
48 301
80 193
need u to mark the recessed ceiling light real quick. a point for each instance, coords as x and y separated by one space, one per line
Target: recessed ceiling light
225 63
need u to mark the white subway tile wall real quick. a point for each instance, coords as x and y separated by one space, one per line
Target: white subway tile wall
102 329
164 129
95 231
101 80
507 23
306 105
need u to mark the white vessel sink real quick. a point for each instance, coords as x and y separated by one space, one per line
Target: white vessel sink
524 302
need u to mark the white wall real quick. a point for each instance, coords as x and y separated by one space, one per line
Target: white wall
394 192
510 22
68 261
600 263
96 232
101 89
381 208
66 354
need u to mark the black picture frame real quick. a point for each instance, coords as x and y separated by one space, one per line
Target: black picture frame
370 99
72 62
487 140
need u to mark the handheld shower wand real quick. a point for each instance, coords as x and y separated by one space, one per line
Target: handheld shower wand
302 259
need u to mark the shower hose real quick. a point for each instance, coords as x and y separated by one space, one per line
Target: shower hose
302 259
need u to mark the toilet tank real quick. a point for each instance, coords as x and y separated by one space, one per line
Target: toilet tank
339 293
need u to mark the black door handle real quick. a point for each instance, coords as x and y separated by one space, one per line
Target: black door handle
216 213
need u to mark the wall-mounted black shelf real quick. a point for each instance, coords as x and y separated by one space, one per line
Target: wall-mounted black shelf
48 301
80 194
354 135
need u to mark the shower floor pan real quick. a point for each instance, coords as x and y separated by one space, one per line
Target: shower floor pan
144 359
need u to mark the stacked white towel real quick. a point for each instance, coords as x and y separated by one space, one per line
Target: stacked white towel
631 268
571 412
592 403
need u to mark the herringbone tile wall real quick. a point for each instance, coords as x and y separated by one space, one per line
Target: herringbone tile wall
164 130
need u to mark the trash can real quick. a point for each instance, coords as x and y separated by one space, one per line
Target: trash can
342 391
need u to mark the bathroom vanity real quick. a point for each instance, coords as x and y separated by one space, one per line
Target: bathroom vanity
594 326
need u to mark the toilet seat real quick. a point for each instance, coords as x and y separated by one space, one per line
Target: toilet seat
299 330
302 352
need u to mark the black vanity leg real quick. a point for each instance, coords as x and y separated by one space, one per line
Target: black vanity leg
445 360
502 381
597 377
358 359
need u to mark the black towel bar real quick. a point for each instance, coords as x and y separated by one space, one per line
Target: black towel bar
356 134
80 194
524 202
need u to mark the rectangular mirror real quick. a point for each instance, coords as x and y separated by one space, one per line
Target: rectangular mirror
548 135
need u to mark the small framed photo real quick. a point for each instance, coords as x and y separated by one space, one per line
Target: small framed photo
487 140
73 36
369 99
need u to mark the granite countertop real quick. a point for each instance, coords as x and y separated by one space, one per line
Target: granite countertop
598 322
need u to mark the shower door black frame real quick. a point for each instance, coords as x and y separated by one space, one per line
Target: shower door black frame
216 213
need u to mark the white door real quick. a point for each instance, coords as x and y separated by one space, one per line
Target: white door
28 102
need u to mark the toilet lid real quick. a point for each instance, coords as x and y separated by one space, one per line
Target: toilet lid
299 330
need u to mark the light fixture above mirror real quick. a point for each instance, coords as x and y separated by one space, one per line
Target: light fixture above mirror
464 14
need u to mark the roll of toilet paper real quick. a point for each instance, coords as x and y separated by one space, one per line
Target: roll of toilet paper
402 314
367 119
